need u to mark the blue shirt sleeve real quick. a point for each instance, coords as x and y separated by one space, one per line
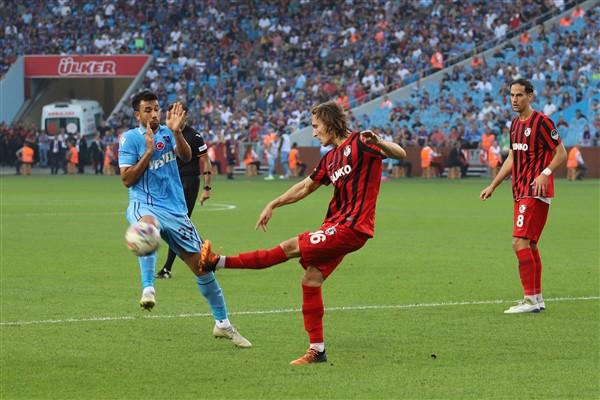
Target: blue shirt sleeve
128 152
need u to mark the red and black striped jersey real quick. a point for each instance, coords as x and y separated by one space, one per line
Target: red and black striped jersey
532 142
354 168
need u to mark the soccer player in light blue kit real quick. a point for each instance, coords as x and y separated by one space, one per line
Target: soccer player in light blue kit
147 160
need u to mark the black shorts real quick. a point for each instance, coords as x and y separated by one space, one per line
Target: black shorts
231 161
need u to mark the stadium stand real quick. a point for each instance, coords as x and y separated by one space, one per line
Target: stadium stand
256 67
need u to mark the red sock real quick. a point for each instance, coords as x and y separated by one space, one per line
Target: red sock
538 271
527 270
257 259
312 311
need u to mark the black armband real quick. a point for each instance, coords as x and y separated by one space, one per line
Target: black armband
207 188
207 173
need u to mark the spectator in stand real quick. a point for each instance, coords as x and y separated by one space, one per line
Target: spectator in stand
550 107
437 137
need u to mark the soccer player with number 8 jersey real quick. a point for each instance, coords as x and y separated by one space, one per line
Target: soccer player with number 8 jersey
535 152
353 167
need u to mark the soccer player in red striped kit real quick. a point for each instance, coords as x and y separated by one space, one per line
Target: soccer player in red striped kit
535 152
353 167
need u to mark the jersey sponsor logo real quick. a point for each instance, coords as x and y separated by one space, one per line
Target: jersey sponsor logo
343 171
522 208
554 134
347 151
527 131
520 146
330 231
160 146
162 161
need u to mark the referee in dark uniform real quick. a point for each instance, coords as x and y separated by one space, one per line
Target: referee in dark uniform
189 172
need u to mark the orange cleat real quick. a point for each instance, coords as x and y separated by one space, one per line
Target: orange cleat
311 356
208 259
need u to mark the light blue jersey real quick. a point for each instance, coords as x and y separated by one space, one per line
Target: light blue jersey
159 185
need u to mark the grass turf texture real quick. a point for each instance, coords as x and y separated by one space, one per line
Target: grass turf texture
63 258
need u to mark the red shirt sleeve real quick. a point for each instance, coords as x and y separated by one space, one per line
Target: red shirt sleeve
548 133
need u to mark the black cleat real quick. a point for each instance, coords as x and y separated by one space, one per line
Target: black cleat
163 274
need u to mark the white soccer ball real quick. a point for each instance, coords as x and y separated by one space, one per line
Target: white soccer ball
142 238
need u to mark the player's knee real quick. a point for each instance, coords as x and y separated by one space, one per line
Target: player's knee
519 244
291 248
312 277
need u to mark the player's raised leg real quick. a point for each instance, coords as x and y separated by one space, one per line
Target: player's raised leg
257 259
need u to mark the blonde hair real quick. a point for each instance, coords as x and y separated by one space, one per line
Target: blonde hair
333 116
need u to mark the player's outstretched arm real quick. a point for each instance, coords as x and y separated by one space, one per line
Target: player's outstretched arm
130 175
502 174
389 149
297 192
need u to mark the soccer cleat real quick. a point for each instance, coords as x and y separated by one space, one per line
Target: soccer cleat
540 301
311 356
148 301
524 306
163 274
232 334
208 259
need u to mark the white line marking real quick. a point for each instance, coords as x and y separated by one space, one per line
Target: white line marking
287 311
207 207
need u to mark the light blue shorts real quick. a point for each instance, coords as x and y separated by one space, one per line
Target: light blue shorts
176 229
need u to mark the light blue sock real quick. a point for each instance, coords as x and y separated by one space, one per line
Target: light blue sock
210 289
147 264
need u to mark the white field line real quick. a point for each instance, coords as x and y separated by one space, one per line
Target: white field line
208 207
288 310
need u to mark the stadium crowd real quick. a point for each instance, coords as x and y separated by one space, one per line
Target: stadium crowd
257 67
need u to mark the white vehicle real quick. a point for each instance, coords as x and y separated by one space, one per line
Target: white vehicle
75 116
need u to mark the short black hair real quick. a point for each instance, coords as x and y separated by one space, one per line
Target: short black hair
144 95
525 83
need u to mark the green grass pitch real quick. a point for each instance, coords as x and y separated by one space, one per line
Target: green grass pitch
433 281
